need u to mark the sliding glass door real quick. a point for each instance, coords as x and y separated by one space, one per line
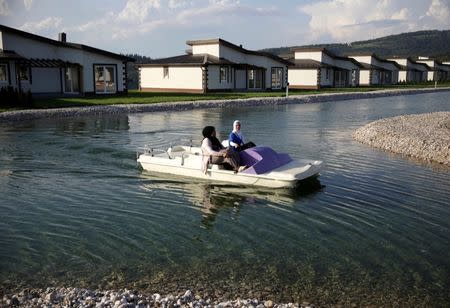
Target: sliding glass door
105 79
277 77
254 79
71 80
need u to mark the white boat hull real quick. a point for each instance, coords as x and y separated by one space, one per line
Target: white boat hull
187 161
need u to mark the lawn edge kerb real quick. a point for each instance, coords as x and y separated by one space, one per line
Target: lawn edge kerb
30 114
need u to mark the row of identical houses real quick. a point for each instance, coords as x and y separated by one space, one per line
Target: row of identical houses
58 67
218 65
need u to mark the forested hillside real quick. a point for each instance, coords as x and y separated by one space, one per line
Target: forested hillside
132 71
432 43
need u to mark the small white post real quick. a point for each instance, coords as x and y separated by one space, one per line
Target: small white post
435 84
287 89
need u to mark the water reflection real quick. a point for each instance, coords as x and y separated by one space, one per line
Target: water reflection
212 198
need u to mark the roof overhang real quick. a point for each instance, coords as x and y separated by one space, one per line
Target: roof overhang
46 63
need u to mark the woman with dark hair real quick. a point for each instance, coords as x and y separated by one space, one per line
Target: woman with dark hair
215 153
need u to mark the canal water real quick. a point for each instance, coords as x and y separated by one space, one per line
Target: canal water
373 229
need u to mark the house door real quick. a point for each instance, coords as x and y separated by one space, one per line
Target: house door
277 77
340 78
254 79
71 80
24 77
105 79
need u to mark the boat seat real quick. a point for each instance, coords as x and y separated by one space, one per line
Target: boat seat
216 167
176 148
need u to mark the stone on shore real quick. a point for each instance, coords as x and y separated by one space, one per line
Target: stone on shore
424 136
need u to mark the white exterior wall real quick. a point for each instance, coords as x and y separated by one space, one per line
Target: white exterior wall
241 79
314 55
214 79
404 62
402 76
45 80
364 77
232 55
179 78
236 56
212 49
30 48
363 59
268 63
302 77
1 40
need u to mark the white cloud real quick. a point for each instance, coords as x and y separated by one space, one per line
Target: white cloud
48 23
28 4
352 20
4 9
140 17
439 10
138 10
175 4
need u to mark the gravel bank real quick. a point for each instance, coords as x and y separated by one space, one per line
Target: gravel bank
23 115
75 297
424 136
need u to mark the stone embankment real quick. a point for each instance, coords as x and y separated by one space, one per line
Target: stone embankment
75 297
424 136
23 115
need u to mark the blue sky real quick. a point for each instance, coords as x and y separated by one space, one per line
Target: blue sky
160 28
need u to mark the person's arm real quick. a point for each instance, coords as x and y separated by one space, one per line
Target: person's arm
207 148
234 140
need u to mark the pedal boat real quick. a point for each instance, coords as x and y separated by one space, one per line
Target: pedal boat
266 167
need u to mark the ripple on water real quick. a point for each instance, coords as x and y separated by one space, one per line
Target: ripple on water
372 230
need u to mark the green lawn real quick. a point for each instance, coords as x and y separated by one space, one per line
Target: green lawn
136 97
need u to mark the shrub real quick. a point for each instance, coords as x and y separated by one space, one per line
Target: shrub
11 98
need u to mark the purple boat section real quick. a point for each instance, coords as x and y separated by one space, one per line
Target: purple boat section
262 159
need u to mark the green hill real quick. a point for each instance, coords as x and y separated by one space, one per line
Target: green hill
431 43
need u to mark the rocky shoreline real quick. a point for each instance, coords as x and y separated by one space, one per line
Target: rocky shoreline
32 114
77 297
424 136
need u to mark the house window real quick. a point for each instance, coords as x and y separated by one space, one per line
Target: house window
327 74
277 77
165 72
3 73
105 79
224 74
24 73
71 80
254 79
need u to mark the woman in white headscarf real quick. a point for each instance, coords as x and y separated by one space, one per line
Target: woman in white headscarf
236 138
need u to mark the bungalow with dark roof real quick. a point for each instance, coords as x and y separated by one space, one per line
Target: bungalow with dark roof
438 71
314 68
214 65
375 70
56 67
410 70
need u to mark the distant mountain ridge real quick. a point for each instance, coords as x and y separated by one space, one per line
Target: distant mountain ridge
432 43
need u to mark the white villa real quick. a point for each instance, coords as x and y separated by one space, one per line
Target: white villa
375 70
56 67
214 65
314 68
410 71
438 71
